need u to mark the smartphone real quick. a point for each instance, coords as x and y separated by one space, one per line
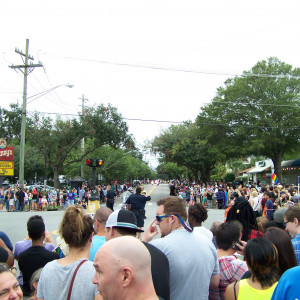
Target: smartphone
235 247
59 252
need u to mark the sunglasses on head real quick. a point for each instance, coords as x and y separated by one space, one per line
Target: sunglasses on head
159 218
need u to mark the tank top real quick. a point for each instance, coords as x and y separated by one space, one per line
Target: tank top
247 292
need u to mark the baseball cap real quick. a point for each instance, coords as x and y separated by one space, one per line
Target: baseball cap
123 219
279 214
130 189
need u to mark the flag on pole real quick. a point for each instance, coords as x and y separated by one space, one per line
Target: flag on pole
274 178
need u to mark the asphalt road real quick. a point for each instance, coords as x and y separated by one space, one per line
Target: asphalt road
14 223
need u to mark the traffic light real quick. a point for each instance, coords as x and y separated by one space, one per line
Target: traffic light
89 162
99 162
264 175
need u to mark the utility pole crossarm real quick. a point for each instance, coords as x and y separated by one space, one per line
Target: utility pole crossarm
25 66
21 53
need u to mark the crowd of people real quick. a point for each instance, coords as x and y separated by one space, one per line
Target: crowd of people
15 199
250 254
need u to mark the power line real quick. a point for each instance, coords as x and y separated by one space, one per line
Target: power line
160 68
183 122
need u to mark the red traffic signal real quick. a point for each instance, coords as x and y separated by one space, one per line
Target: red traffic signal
99 162
89 162
264 175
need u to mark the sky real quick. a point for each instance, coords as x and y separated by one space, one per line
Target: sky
153 60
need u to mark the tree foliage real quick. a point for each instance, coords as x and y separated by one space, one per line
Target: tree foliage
59 140
183 145
257 113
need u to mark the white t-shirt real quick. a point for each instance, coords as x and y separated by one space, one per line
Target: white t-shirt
204 231
193 260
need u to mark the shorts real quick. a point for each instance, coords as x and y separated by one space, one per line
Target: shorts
139 218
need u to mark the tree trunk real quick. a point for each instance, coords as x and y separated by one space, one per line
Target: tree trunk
55 177
277 165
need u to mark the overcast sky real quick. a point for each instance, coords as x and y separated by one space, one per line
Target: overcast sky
153 60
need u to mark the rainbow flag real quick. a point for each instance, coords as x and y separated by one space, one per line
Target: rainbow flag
274 178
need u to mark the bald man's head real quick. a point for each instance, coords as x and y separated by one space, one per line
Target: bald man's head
123 266
102 214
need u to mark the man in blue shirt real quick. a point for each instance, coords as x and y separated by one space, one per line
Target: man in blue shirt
292 224
288 285
100 217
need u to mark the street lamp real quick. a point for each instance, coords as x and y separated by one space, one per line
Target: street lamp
36 96
23 127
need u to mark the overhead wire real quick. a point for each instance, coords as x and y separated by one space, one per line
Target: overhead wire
247 74
183 122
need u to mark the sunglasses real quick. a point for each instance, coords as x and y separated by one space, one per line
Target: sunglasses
159 218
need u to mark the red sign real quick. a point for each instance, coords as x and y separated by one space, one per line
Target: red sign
7 153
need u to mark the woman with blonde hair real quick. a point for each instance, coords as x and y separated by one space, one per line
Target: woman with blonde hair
255 202
72 275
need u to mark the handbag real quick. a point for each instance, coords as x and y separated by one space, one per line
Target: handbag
73 278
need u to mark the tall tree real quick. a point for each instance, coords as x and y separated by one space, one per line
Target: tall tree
183 145
257 113
59 140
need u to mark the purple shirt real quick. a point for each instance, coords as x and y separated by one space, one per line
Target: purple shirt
24 245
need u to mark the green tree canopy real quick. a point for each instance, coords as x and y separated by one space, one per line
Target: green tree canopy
59 140
256 113
183 145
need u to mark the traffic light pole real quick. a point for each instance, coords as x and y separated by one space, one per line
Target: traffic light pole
94 177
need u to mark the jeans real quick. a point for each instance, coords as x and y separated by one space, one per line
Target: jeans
209 202
21 206
7 204
71 202
17 205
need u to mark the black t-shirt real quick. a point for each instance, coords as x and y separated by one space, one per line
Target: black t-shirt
21 196
31 260
3 255
110 195
160 272
137 201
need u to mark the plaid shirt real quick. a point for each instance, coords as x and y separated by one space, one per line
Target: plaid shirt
231 269
296 246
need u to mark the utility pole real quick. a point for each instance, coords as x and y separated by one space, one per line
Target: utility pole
25 69
82 140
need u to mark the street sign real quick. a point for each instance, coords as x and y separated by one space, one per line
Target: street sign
6 168
7 153
6 172
6 165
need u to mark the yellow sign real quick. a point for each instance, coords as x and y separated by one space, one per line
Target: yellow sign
6 172
6 168
93 205
6 165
